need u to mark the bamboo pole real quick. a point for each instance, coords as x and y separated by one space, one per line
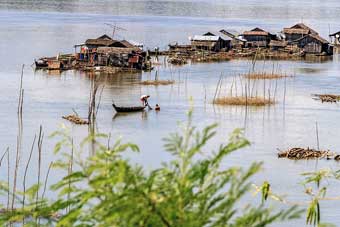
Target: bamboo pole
70 171
218 83
40 141
24 180
46 179
8 179
19 136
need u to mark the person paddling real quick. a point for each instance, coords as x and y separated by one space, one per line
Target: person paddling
144 99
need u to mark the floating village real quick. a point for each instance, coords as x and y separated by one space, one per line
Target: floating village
109 55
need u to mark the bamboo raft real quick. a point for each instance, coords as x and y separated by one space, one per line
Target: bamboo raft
76 120
298 153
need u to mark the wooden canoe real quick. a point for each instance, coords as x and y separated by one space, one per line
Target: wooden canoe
121 109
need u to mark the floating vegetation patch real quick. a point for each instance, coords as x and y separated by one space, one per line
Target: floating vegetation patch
177 60
76 120
298 153
326 97
216 57
265 76
243 101
157 82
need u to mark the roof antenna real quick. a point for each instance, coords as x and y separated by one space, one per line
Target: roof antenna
115 28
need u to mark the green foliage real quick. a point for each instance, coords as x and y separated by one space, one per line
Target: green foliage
193 189
317 177
313 213
265 191
313 183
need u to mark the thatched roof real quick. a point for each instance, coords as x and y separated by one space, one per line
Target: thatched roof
314 36
116 50
319 38
127 44
99 42
106 41
257 32
104 37
295 31
103 40
303 26
299 28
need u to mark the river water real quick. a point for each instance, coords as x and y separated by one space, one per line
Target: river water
31 29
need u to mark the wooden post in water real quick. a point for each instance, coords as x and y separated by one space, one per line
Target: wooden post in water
218 83
317 135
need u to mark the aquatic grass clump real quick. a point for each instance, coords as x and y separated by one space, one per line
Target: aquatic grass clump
157 82
75 119
245 95
243 101
177 60
298 153
265 76
327 97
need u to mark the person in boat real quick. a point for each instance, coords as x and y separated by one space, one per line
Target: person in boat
144 99
157 107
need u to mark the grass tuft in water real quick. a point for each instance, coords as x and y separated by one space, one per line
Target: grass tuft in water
265 76
157 82
243 101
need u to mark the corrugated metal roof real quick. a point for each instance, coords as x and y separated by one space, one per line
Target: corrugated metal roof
231 32
224 37
205 38
334 34
135 43
241 38
220 34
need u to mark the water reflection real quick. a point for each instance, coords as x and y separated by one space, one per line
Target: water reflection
121 78
143 115
309 70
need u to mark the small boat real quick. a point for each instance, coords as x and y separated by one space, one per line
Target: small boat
121 109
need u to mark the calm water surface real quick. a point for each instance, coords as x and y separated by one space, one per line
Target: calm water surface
30 29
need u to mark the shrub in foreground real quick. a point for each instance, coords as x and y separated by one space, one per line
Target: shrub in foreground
193 189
